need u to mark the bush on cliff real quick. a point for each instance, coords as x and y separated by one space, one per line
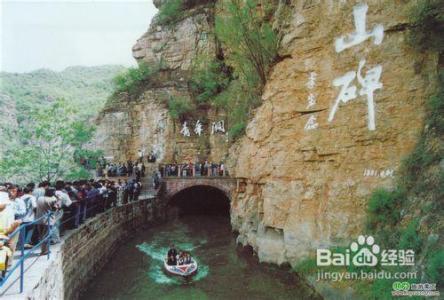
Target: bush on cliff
130 80
249 37
209 78
170 12
179 107
238 101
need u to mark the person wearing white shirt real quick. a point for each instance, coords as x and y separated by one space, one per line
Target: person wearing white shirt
29 204
8 223
40 191
63 201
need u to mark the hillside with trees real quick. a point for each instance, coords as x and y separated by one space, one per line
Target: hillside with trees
47 121
84 87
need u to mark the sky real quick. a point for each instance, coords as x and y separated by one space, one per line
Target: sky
59 33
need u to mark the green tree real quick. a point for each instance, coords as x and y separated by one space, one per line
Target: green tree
132 78
251 42
44 147
209 77
179 107
251 47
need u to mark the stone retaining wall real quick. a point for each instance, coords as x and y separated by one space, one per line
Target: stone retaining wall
86 250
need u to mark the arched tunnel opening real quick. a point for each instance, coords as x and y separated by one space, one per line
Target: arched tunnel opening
200 200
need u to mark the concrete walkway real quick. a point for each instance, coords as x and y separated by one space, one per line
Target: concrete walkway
34 265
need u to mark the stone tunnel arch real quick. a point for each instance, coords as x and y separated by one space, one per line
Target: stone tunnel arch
172 186
200 199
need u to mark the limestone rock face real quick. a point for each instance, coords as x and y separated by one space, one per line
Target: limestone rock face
177 46
339 113
132 126
142 122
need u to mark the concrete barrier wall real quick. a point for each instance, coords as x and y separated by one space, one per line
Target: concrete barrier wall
86 250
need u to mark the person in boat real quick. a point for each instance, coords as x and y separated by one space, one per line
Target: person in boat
180 260
172 253
188 258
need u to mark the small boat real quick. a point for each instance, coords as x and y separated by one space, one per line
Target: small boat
181 270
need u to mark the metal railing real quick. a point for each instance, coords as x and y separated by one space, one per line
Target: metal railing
21 230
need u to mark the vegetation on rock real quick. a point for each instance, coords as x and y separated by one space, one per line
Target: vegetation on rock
427 18
133 78
170 12
251 47
179 107
209 78
249 38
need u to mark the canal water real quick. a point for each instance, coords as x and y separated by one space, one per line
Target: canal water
225 271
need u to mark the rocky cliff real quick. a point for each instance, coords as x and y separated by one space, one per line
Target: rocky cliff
131 123
341 108
339 113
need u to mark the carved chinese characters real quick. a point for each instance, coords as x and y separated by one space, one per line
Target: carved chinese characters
368 83
361 34
216 127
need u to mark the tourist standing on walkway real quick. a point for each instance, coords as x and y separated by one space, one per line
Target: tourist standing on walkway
130 190
29 203
137 189
130 168
81 196
207 167
7 221
92 200
45 205
143 169
17 211
64 202
40 191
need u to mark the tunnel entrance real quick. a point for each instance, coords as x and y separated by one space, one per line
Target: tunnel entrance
200 200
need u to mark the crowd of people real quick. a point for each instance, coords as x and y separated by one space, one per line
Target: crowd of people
129 169
51 209
193 169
